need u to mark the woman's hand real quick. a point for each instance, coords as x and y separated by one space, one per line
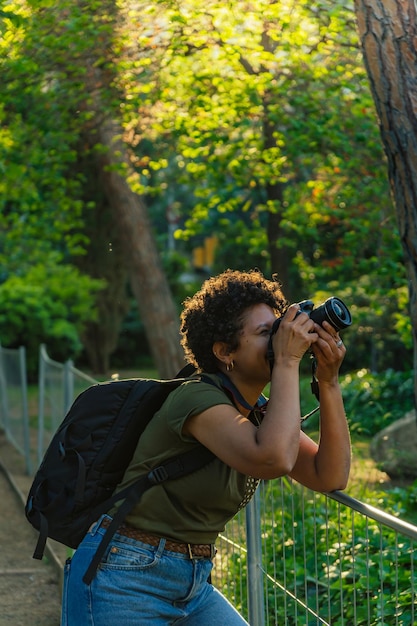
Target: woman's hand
295 334
329 351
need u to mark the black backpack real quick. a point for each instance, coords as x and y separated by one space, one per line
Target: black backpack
88 456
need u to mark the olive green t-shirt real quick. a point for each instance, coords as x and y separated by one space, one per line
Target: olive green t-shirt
196 507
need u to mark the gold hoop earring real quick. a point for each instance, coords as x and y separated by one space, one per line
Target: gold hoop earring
230 366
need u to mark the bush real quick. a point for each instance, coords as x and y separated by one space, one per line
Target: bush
47 305
373 401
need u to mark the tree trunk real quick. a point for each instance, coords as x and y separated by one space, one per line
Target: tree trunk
149 284
148 281
104 259
279 254
388 33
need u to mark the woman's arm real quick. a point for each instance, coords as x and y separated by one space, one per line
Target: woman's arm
326 466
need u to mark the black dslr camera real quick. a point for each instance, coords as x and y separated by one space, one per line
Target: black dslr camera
333 310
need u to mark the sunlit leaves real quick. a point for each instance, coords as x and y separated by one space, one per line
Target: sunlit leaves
232 113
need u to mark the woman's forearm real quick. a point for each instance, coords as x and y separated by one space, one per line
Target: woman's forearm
333 456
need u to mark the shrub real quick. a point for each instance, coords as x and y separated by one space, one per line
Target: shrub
373 401
47 305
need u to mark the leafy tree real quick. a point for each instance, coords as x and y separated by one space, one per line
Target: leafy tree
320 156
74 77
277 142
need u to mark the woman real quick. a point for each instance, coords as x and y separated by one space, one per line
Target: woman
157 567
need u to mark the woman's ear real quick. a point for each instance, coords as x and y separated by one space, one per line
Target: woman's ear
222 352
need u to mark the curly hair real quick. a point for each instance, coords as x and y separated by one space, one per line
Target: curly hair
216 313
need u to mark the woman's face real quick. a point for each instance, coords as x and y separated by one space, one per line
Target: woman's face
251 356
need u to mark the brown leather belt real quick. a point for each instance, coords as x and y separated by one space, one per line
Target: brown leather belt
193 550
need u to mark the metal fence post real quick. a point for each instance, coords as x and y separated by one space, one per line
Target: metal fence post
256 602
68 384
25 411
4 412
41 401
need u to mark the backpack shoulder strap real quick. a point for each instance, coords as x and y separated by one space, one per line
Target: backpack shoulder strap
186 371
176 467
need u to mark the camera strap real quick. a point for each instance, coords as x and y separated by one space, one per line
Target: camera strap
314 382
314 388
237 396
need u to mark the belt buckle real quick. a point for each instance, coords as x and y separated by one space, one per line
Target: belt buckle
213 551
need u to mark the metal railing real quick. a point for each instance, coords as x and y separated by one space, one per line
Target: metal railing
293 557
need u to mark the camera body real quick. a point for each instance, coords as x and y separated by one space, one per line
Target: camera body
333 310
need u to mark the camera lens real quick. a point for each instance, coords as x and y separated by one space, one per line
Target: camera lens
334 311
338 314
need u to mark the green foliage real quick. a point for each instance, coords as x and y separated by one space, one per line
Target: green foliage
256 117
234 113
373 401
239 131
46 305
380 336
402 501
40 201
251 123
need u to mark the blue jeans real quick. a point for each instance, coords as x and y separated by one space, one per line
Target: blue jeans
138 584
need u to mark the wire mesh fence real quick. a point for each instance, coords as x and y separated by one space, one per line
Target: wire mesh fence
14 414
322 560
59 384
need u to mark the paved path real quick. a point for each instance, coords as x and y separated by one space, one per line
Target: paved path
29 589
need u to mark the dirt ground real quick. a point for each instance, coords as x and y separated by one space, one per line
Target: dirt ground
29 589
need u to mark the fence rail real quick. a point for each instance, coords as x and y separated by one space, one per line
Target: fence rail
293 557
